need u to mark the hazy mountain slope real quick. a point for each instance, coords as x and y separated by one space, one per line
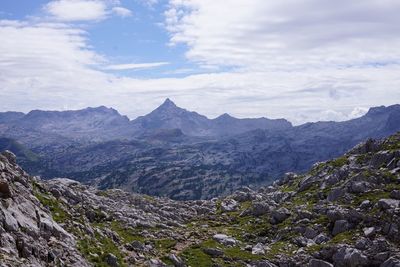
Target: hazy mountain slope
38 128
168 162
209 169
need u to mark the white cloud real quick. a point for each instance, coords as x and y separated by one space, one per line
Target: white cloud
136 66
302 67
77 10
122 11
287 34
85 10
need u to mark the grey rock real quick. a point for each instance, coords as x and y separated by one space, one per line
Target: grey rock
178 262
388 203
391 262
335 194
319 263
10 156
310 233
225 240
321 238
395 194
359 187
279 215
229 205
10 223
340 226
260 208
369 231
213 252
263 263
349 257
111 260
365 204
5 190
258 249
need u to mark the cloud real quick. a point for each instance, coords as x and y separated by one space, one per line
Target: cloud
84 10
287 34
136 66
302 62
122 11
77 10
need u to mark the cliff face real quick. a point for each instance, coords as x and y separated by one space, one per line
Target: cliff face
29 234
343 212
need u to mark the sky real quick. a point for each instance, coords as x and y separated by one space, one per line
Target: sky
306 60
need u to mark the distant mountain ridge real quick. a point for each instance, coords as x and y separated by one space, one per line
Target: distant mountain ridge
103 124
181 154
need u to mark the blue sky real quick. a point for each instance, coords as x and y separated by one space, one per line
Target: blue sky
303 60
139 37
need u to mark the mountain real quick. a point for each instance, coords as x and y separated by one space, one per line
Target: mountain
342 212
169 116
9 116
206 169
200 160
105 124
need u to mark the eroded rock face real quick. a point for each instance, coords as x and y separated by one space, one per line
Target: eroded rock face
30 235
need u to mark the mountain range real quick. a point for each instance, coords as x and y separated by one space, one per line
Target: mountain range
177 153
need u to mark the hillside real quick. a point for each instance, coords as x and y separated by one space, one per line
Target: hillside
343 212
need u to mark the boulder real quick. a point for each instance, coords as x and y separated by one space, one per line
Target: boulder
279 215
335 194
349 257
178 262
321 238
5 190
225 240
229 205
340 226
388 203
391 262
10 223
10 156
358 187
260 208
369 231
111 260
258 249
319 263
213 252
263 263
395 194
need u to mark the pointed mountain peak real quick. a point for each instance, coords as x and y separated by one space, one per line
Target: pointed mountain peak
168 103
225 116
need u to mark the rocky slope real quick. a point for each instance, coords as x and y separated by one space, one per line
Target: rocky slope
343 212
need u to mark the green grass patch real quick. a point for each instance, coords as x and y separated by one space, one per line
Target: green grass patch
339 162
194 256
100 246
55 207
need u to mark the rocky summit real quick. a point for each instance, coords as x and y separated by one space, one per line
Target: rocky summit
343 212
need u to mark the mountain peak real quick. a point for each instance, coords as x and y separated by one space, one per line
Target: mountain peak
168 103
382 109
225 116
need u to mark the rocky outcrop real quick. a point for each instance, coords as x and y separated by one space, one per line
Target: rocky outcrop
29 235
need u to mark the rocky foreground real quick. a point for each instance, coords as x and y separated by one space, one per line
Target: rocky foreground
344 212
